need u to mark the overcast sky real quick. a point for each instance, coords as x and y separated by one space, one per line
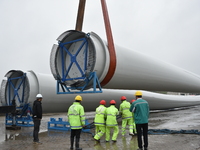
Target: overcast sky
166 29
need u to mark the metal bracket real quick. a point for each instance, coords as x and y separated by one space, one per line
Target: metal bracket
71 90
11 87
73 59
84 78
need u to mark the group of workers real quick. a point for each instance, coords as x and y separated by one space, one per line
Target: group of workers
135 114
106 119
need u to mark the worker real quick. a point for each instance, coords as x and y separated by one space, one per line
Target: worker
127 117
134 126
37 116
111 121
99 121
133 100
140 108
76 118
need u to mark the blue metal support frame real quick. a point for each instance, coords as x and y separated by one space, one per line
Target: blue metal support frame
22 121
61 83
73 59
11 86
22 113
61 125
68 90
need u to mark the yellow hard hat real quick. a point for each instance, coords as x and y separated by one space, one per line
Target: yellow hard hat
138 93
78 97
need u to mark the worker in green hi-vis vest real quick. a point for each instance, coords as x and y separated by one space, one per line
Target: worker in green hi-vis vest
111 121
100 121
127 116
76 117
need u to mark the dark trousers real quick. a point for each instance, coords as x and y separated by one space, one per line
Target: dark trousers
142 129
36 129
75 133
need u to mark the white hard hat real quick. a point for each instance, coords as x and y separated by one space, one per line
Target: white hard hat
39 96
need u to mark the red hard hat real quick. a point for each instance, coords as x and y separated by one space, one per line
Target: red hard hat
133 100
103 102
112 102
123 98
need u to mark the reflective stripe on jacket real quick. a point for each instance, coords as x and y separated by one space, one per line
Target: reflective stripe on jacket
76 116
111 113
124 110
140 108
100 115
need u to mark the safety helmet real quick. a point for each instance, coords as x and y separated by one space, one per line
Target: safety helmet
138 93
103 102
78 98
39 96
112 102
133 100
123 98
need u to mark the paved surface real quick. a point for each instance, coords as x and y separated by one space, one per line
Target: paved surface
186 119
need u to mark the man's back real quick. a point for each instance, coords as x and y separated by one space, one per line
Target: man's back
100 115
111 113
76 116
124 109
140 108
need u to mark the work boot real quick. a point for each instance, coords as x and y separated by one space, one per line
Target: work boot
39 143
77 144
72 143
132 134
97 140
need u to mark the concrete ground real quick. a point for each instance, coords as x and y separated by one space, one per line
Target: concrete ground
186 119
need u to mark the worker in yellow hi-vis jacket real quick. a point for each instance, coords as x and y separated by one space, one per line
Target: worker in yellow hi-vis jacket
76 117
99 120
134 126
127 117
111 121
